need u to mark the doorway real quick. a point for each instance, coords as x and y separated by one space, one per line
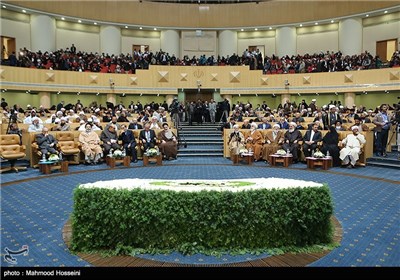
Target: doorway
7 46
196 94
385 49
141 48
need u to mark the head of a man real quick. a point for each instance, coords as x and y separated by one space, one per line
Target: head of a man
355 130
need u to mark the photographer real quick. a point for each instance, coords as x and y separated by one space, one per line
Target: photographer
382 121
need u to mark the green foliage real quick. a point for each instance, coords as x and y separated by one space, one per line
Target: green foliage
151 221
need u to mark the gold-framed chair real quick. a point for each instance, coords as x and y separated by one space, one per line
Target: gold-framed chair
68 147
11 150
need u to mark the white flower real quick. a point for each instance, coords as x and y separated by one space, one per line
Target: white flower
54 157
117 153
152 152
281 152
319 154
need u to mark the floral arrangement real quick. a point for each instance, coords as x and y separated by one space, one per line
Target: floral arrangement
117 154
243 151
281 152
54 157
319 154
152 152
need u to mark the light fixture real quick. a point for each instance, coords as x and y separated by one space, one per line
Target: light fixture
155 29
386 91
123 94
316 93
316 23
97 93
126 26
63 18
270 28
58 92
239 94
255 29
24 11
336 93
256 94
332 21
273 95
365 92
298 94
242 29
78 93
385 12
79 21
158 94
4 6
95 23
140 28
367 15
141 94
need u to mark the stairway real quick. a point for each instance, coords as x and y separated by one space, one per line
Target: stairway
391 161
202 140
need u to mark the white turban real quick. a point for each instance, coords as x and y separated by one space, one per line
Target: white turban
276 125
354 127
63 119
293 124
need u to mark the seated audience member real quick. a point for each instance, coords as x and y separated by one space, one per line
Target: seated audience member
148 137
361 126
169 142
107 118
47 143
122 118
283 124
338 126
299 126
35 126
353 143
254 141
310 126
330 144
311 139
298 117
15 130
273 141
292 138
51 119
264 124
63 126
90 143
245 124
229 125
110 139
235 141
134 124
154 123
128 142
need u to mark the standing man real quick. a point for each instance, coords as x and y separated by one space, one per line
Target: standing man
212 107
382 122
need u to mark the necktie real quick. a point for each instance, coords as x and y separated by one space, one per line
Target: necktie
148 136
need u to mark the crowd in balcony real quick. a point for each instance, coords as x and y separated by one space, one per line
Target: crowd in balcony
70 59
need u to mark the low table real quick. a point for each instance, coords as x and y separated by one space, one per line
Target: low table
49 165
112 161
246 157
286 160
157 159
313 162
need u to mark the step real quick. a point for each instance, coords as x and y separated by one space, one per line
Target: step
202 134
383 164
196 150
204 143
191 128
201 155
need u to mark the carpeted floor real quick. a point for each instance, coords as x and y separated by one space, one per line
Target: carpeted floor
34 212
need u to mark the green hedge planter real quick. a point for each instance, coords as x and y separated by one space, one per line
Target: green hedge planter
191 222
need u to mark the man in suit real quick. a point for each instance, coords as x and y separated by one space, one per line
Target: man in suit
110 138
331 118
291 142
135 125
311 139
245 124
264 124
128 142
148 137
382 121
46 142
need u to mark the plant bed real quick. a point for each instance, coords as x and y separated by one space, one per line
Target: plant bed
200 216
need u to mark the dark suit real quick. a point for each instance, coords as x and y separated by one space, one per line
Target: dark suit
135 126
317 137
44 143
248 126
128 139
148 143
330 119
264 126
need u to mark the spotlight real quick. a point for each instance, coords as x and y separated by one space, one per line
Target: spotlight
141 94
58 92
316 93
239 95
97 93
298 94
256 94
123 94
158 94
365 92
336 93
78 93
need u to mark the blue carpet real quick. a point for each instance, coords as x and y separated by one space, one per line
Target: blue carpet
34 213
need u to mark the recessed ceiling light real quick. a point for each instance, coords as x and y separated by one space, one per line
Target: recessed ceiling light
242 29
316 23
155 29
301 25
140 28
126 26
63 18
255 29
79 21
4 6
24 11
332 21
367 15
95 23
385 12
270 28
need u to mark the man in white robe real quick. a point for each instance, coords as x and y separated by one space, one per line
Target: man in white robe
352 149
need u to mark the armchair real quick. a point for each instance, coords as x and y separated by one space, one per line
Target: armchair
11 150
68 147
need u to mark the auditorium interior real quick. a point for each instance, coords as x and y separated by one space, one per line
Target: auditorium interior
238 93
